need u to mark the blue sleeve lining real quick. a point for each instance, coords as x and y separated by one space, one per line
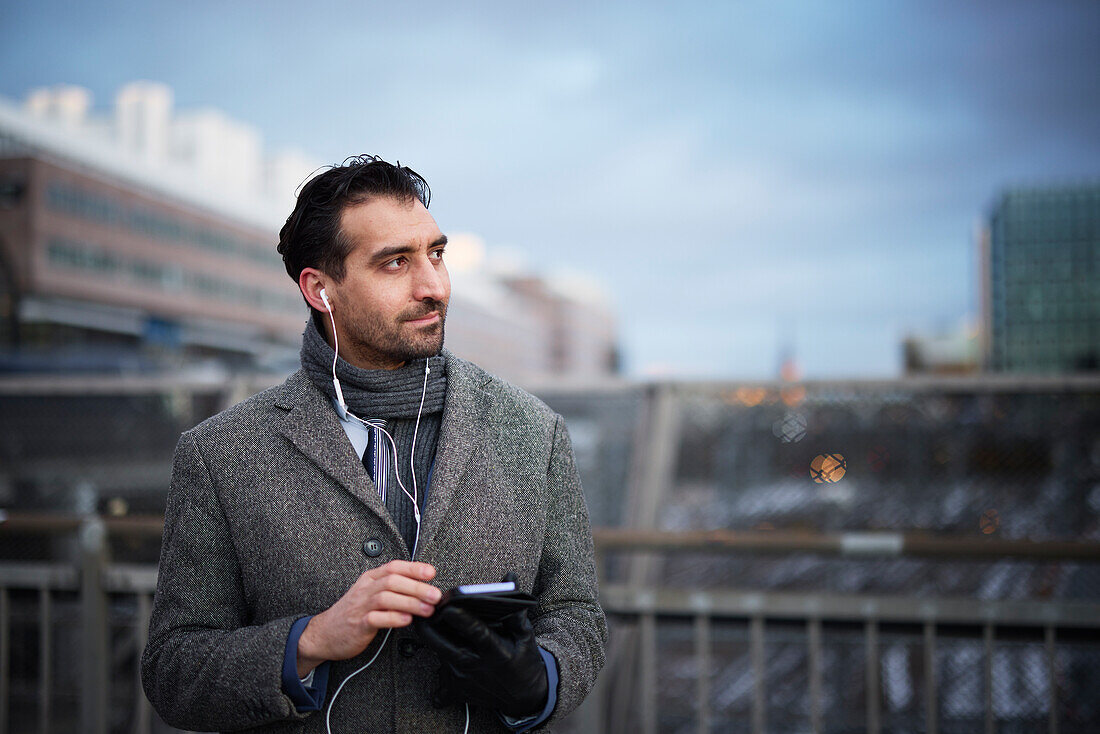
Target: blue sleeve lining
310 697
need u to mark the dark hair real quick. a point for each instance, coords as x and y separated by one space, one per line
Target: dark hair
312 238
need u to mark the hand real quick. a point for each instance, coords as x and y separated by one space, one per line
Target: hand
499 669
384 597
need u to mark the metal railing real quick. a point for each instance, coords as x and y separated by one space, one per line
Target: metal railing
665 640
631 690
88 585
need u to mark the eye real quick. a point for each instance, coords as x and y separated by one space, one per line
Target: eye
394 264
437 254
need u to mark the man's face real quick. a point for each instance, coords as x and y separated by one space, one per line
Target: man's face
392 302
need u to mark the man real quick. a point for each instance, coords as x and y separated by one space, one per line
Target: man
309 526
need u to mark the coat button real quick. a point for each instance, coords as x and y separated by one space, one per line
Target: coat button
407 647
372 547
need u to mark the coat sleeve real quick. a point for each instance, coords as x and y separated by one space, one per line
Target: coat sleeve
568 622
204 666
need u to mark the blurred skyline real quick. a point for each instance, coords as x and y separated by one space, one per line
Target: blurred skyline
747 181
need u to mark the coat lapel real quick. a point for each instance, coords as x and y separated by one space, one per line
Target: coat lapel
312 426
462 435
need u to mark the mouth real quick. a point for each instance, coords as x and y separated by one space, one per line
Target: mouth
425 320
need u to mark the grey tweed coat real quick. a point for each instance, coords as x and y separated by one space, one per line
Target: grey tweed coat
267 516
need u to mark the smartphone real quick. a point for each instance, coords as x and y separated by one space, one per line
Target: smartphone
490 603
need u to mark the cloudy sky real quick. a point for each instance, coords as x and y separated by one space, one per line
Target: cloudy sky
743 178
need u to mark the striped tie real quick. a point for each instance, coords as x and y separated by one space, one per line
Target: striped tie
376 459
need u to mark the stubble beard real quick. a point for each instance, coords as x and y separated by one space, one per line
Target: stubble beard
376 341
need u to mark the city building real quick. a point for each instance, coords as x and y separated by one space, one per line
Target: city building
945 352
525 327
145 238
120 246
1040 269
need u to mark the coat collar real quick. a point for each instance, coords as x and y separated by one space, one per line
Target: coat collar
471 394
312 426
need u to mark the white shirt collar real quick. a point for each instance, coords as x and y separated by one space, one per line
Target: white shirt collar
358 434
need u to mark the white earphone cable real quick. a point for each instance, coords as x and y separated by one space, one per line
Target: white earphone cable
328 714
416 427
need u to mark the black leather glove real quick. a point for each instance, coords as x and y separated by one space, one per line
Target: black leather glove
500 667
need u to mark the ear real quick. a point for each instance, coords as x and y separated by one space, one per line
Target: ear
311 281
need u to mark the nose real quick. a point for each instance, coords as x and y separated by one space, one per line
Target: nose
431 281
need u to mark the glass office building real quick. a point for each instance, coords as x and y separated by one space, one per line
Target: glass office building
1041 280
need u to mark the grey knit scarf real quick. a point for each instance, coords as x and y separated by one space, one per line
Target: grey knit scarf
374 393
393 396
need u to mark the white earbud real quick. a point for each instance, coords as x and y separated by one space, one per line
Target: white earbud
324 299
